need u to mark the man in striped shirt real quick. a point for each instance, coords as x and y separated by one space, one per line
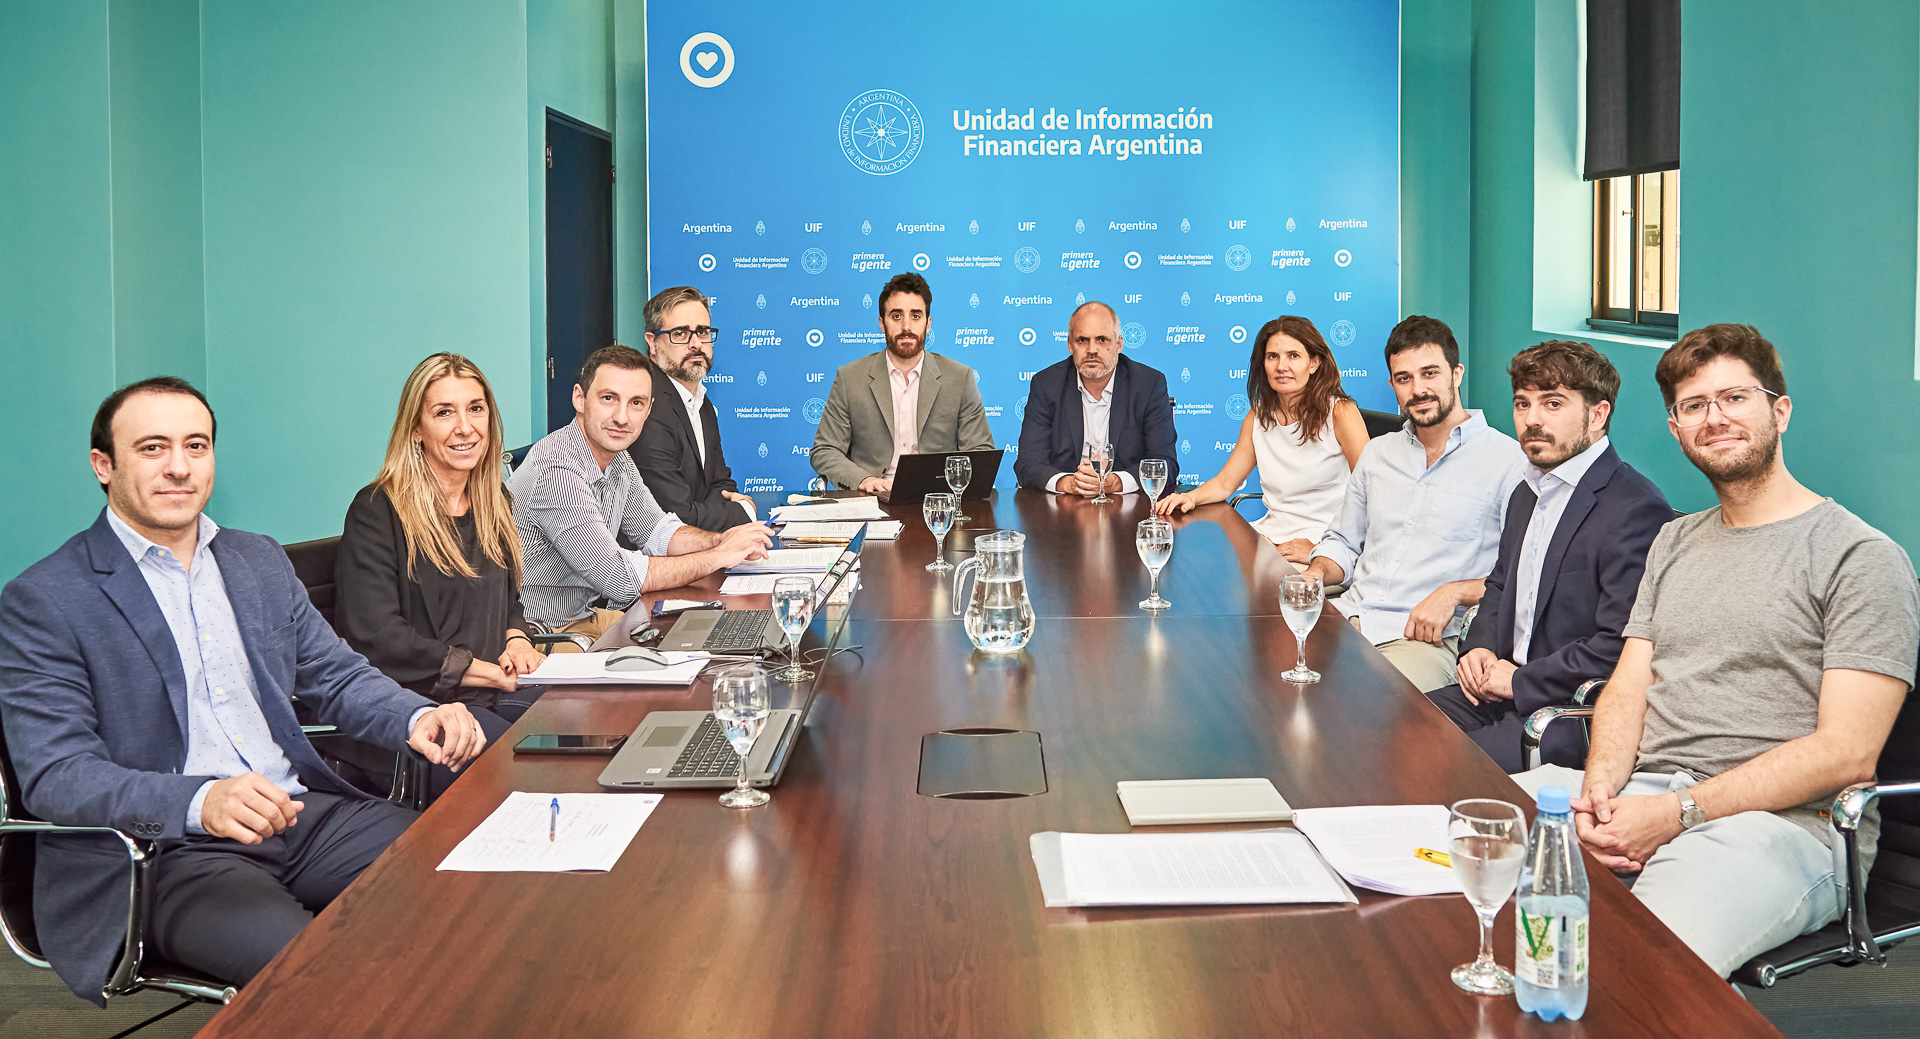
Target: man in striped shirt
578 491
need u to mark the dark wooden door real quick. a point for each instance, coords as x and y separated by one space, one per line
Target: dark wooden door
579 254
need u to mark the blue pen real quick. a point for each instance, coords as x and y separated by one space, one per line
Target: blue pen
553 819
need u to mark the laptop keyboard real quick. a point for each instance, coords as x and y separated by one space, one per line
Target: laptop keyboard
740 629
708 754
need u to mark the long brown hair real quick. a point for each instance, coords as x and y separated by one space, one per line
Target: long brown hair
415 494
1315 404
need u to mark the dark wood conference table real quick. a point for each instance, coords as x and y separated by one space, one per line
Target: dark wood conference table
853 906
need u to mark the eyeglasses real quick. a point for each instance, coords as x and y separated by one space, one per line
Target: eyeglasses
1740 402
682 336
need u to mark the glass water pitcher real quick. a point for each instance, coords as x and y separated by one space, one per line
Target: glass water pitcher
999 617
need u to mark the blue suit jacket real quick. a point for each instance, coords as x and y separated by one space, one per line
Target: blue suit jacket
1588 581
93 702
1053 432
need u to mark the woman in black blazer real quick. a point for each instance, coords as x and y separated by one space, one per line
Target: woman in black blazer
428 575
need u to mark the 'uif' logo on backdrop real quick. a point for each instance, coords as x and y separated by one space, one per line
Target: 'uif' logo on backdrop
1238 258
1132 334
760 301
1027 259
761 379
813 409
706 49
763 449
813 261
881 132
1341 333
1237 406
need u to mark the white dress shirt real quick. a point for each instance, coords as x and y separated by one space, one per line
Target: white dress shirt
1096 420
906 411
694 398
1555 488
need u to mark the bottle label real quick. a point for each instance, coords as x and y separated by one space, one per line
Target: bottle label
1552 950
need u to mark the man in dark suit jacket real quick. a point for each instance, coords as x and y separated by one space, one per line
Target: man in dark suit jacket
1095 394
1571 555
681 462
147 669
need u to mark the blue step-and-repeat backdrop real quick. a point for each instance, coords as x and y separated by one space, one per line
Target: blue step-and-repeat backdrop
1203 167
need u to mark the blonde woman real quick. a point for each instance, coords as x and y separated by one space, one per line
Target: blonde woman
428 576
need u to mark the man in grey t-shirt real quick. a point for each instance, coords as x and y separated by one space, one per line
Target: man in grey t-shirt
1769 650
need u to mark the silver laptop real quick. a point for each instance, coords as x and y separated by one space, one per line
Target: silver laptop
750 631
684 749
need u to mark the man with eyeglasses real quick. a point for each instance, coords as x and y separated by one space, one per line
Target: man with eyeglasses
678 450
1767 655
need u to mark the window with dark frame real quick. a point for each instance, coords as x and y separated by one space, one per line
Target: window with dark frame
1633 160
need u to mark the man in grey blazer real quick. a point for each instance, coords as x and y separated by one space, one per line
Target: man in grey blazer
899 401
147 672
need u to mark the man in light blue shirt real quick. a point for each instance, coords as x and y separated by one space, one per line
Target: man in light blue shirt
147 673
1421 525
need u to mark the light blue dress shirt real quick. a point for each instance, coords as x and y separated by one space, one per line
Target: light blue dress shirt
1407 528
1555 488
227 735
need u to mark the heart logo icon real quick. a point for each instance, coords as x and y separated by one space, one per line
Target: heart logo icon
706 59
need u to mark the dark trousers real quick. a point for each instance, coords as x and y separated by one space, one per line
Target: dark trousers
225 909
1492 724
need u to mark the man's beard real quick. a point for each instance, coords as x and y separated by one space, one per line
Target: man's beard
1448 403
899 347
692 368
1572 451
1753 461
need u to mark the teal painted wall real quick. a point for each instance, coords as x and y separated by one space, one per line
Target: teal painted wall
630 159
1436 165
570 70
366 205
56 269
1799 128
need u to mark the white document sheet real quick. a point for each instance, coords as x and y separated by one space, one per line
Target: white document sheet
760 584
867 508
791 561
591 669
1373 845
1137 869
593 830
877 530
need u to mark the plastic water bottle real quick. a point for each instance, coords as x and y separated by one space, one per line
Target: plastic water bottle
1550 964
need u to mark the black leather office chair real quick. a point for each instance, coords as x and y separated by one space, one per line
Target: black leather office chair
1380 423
1537 722
1883 906
510 460
137 968
361 764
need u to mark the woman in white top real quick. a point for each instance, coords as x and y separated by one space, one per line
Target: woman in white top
1302 430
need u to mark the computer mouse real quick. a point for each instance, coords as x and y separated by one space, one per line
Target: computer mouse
636 658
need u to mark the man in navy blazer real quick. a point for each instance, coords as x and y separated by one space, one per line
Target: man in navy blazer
1095 395
1571 555
678 450
147 668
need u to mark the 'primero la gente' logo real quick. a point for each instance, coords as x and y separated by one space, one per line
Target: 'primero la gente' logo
881 132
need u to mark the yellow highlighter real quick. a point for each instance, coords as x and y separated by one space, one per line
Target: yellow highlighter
1438 858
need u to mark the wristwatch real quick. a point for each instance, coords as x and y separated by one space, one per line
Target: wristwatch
1690 813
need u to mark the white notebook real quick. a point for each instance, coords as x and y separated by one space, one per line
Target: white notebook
1164 802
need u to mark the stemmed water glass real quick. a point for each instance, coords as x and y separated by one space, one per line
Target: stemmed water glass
1154 539
793 609
1300 601
938 509
1101 455
1487 841
1153 477
741 703
959 473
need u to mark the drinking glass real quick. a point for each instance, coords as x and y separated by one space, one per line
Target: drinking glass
959 472
742 704
938 509
1101 455
1154 539
1300 601
793 609
1153 477
1487 841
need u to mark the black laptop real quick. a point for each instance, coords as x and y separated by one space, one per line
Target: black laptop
916 476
